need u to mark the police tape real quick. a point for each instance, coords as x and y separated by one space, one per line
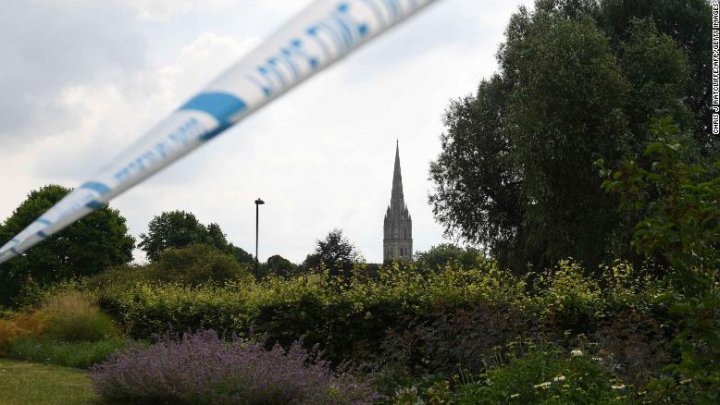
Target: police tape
321 34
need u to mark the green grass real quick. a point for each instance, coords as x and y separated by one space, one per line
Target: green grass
70 354
28 383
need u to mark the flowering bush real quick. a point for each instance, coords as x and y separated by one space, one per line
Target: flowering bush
202 368
543 375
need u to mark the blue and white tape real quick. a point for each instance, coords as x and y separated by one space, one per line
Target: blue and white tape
318 36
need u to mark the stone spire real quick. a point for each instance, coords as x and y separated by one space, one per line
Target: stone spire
397 198
397 241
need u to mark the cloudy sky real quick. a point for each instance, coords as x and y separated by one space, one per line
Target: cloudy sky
80 80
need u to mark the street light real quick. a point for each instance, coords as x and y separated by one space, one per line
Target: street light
258 203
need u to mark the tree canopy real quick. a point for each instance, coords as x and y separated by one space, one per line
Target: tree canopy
177 229
579 80
279 266
336 253
87 247
438 257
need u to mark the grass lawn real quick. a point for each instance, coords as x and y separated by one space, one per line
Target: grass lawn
30 383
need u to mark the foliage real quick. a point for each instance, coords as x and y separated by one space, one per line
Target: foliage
89 246
680 208
195 265
419 322
438 257
178 229
335 254
68 329
688 23
345 318
192 265
78 354
678 201
72 317
279 266
49 384
448 338
20 325
569 299
202 368
579 80
535 375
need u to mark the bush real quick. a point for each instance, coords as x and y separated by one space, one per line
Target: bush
72 317
570 298
347 320
446 338
192 266
202 368
81 354
544 375
20 325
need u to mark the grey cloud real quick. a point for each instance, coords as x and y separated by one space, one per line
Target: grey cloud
48 46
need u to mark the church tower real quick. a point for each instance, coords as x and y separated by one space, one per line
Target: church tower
397 243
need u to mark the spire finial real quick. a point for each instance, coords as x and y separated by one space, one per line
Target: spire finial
397 188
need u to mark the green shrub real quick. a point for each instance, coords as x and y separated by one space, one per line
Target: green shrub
446 338
346 319
72 317
545 375
192 265
79 354
677 200
570 299
196 265
433 321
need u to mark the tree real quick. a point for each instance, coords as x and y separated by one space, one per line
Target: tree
218 239
516 169
87 247
478 188
688 23
173 229
437 257
176 229
335 253
279 266
241 255
679 204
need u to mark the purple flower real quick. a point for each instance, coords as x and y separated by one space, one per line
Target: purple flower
202 368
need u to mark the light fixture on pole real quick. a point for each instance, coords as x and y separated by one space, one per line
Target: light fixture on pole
258 203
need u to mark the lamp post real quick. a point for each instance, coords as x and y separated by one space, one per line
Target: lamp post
258 203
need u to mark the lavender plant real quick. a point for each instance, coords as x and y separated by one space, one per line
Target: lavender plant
202 368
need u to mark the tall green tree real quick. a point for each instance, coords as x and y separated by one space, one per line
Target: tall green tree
336 253
438 257
279 266
688 23
177 229
516 169
173 229
89 246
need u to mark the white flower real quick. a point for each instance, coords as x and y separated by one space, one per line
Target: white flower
513 396
576 353
618 387
559 378
544 385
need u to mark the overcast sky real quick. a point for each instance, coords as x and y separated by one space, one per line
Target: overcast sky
80 80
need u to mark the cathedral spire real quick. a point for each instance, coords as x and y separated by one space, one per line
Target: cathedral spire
397 199
397 241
